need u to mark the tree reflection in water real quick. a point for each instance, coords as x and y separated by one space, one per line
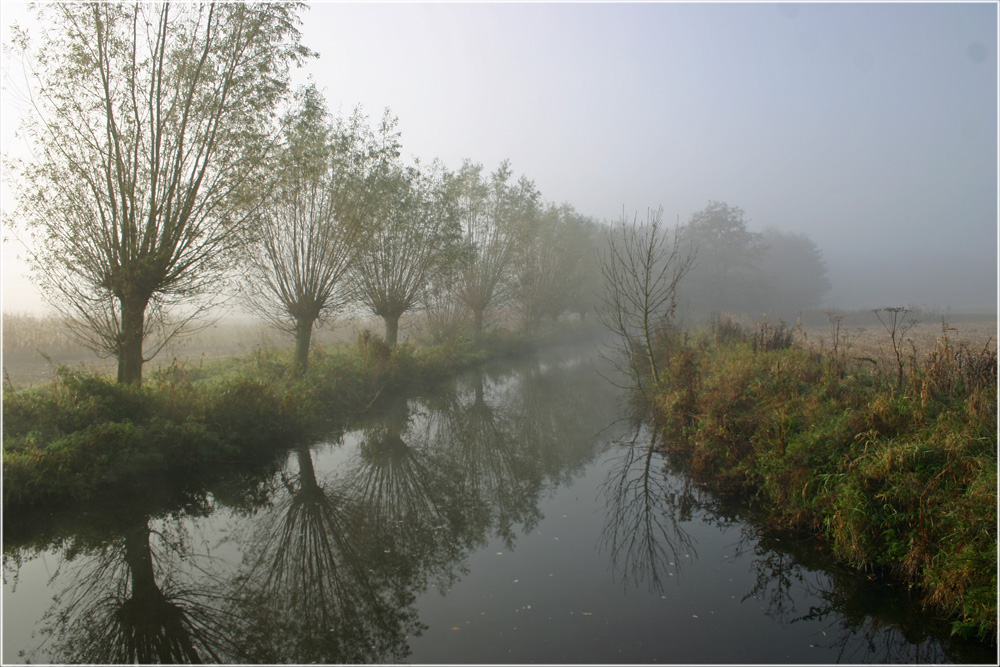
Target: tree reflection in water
865 620
477 435
133 602
416 509
648 496
560 411
312 593
645 504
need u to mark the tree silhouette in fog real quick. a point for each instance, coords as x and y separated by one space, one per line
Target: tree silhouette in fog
412 241
327 181
725 273
492 214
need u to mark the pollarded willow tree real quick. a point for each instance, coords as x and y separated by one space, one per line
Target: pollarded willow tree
150 128
328 178
412 241
493 214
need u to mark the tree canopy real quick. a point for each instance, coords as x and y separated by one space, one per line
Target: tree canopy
329 179
770 273
150 135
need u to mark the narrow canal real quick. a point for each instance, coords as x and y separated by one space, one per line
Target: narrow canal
510 516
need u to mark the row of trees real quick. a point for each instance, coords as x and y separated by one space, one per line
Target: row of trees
165 179
173 168
349 224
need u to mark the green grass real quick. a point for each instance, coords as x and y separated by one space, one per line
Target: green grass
85 436
898 479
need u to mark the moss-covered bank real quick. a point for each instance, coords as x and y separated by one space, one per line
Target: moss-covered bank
84 436
899 477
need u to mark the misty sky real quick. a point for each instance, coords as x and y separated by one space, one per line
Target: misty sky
870 127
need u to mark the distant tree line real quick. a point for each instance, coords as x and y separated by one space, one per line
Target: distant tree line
771 273
174 168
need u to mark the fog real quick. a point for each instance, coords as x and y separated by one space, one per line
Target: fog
870 128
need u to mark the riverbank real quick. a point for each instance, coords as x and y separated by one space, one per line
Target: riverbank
84 436
894 466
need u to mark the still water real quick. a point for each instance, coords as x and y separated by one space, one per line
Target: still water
510 516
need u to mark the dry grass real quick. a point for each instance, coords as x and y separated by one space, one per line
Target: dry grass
34 347
869 344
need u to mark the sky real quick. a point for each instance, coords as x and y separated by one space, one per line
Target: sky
872 128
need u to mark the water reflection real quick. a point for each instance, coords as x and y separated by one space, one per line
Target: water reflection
499 470
134 600
648 499
415 506
645 506
313 591
326 554
864 620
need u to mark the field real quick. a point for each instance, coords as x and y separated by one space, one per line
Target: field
862 340
35 347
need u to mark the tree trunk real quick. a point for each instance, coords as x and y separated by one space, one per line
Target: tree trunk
391 329
139 558
130 341
480 400
307 473
303 336
154 624
477 330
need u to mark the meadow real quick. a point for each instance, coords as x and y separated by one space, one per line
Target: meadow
36 346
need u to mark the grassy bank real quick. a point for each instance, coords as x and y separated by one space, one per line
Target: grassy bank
84 436
898 474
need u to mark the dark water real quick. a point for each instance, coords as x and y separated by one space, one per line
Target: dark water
508 517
